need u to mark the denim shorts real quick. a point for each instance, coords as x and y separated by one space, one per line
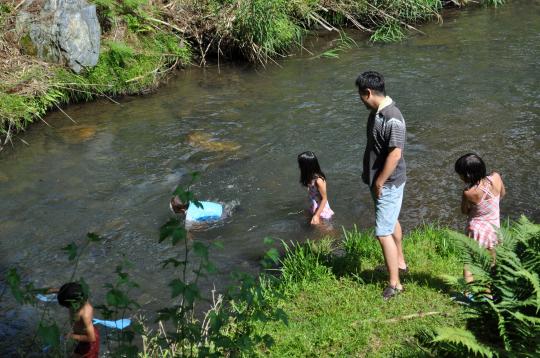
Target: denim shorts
387 209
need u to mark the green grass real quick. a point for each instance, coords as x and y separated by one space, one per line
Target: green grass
331 293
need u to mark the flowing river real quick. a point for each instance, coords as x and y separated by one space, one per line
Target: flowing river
470 84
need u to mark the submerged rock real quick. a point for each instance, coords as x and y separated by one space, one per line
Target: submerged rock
206 142
61 31
78 133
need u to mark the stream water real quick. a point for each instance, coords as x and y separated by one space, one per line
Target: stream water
470 84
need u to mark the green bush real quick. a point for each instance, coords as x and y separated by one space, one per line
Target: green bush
505 311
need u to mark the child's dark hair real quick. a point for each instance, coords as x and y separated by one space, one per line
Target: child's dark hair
72 295
178 205
372 80
309 168
471 168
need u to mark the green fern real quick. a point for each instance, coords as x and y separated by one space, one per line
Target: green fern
461 342
507 296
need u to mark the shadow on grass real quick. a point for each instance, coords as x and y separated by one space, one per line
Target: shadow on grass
420 278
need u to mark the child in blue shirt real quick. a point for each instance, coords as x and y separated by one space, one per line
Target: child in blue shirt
208 212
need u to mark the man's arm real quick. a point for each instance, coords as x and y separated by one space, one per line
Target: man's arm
392 160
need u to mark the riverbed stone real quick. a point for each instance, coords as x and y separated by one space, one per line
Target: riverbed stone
60 31
205 141
78 133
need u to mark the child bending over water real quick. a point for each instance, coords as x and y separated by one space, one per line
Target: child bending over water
312 177
480 201
72 296
208 212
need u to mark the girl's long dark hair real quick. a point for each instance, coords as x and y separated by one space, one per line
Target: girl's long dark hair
309 168
472 168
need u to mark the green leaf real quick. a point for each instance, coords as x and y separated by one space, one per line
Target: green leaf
177 287
49 334
171 261
268 241
14 282
210 267
179 234
168 228
191 293
200 250
273 254
85 287
71 251
218 244
195 176
462 338
178 191
117 298
106 312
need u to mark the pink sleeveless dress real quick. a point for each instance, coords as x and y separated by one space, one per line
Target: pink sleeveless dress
315 199
484 218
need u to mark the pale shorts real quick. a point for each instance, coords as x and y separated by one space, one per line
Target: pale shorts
387 209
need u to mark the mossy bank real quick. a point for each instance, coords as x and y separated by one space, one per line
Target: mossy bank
143 40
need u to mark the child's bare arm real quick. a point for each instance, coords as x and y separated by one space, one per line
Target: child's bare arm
321 186
503 189
464 204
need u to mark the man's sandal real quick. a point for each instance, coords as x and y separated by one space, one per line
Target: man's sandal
391 291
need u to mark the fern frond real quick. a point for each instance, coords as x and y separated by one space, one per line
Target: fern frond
506 295
462 339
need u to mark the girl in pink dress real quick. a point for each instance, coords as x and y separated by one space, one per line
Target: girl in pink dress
312 177
480 201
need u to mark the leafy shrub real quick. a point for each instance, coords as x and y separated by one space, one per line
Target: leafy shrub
505 312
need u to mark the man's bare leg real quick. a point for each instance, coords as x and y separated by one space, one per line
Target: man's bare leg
390 253
397 236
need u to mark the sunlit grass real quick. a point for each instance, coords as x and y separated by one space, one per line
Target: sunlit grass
333 297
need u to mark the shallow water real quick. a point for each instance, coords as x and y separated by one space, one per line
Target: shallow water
471 84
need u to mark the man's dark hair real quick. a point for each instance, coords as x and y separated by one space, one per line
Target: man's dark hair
372 80
72 295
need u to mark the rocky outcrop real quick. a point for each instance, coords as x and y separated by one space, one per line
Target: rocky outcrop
61 31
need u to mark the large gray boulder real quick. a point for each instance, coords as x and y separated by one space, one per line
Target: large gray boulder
61 31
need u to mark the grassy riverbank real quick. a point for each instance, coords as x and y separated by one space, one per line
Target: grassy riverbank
331 293
142 40
326 300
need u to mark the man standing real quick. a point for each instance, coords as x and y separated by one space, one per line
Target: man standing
384 172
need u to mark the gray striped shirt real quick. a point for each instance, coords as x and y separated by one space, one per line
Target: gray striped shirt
385 129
